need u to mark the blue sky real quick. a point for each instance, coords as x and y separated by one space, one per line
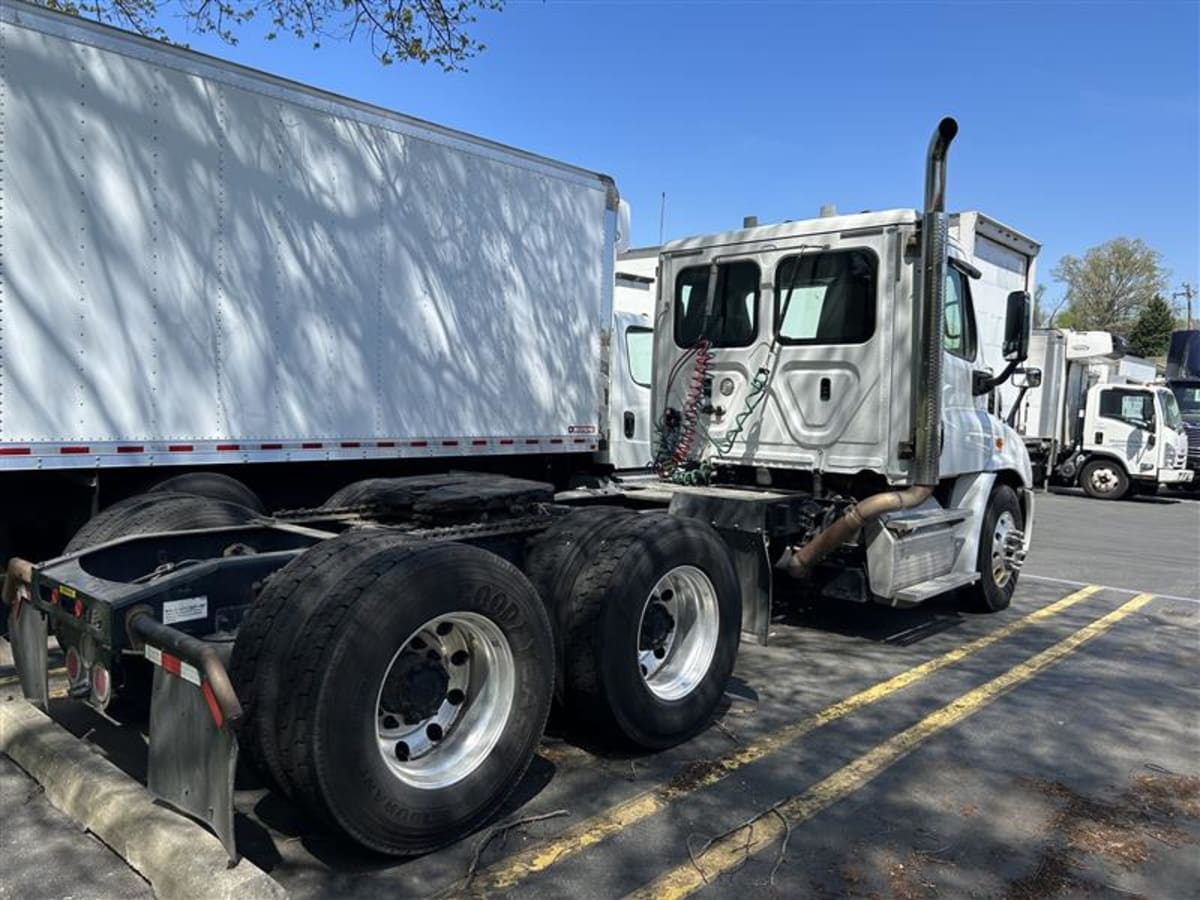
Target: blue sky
1079 121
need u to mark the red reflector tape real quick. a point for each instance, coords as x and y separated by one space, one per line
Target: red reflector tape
224 447
73 450
15 451
271 446
312 445
505 441
449 443
385 443
581 440
531 440
214 708
418 443
180 448
351 444
478 443
133 448
172 664
556 440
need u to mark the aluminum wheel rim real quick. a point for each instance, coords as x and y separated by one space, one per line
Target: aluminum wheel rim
1001 564
446 745
1104 479
677 633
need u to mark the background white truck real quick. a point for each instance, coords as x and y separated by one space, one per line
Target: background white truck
1086 421
308 291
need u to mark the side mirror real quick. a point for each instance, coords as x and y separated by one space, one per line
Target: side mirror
1016 327
1027 378
1151 440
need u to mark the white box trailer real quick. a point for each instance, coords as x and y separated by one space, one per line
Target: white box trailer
206 264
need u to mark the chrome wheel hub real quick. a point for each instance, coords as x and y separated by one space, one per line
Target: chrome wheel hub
1104 479
677 633
444 700
1008 549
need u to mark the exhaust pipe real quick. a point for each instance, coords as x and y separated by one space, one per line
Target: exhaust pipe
927 385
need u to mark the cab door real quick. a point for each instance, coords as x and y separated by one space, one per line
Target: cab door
969 432
629 391
1124 425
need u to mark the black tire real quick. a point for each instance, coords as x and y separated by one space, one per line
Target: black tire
212 485
339 661
603 682
150 513
987 594
554 559
267 633
1104 479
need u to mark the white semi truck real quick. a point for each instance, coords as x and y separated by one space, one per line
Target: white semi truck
207 266
1086 423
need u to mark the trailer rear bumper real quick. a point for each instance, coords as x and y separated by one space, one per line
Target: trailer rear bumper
194 710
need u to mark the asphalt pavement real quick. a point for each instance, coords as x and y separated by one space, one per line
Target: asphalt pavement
1045 751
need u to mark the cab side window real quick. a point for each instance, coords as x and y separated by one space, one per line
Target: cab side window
958 324
1131 407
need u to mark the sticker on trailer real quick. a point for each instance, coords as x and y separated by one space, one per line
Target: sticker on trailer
185 610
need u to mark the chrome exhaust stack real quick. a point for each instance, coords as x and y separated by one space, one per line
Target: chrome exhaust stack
928 301
927 318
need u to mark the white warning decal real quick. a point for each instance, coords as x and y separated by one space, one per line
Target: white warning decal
185 610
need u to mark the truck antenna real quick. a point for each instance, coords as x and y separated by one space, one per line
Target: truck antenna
662 215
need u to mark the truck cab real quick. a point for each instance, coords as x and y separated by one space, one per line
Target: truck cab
838 358
1134 438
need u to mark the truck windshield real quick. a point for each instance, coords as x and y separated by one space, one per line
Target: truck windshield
1187 398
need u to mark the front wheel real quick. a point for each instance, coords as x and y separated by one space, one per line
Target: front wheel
1104 479
1000 542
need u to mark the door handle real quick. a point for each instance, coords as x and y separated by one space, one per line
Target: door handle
1099 437
630 424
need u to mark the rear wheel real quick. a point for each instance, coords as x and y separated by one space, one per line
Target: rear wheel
652 627
213 485
150 513
1104 479
417 688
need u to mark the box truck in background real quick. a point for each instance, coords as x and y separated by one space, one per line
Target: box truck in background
1086 423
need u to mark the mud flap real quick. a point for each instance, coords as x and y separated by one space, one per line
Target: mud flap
192 761
28 632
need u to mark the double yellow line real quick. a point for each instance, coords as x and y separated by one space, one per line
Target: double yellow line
732 849
514 869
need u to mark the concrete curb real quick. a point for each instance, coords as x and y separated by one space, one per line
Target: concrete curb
177 856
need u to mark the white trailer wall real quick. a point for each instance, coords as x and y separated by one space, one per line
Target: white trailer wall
197 255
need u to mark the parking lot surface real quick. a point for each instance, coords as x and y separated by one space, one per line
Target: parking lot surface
1045 751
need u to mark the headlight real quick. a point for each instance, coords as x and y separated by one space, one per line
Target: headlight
1169 455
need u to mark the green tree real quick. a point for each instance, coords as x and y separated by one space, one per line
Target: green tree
1151 333
424 31
1108 287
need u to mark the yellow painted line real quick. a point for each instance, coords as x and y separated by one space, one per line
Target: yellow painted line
592 831
732 849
